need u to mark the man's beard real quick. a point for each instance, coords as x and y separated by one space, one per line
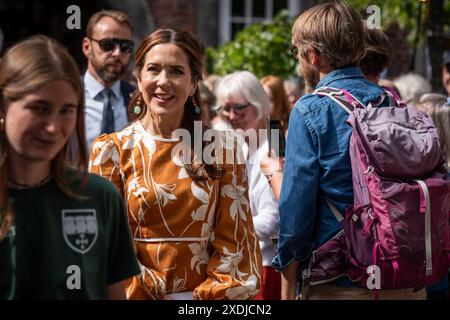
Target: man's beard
106 73
310 74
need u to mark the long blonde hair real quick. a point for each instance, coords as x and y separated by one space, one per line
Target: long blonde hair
25 68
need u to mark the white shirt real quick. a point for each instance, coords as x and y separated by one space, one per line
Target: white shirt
94 107
263 204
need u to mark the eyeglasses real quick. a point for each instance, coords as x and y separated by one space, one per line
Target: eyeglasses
238 108
294 50
106 45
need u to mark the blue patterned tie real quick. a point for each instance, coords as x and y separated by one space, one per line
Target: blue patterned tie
108 113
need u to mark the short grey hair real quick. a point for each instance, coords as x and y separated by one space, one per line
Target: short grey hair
439 110
411 87
246 86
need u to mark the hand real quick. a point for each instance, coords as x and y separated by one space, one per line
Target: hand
269 165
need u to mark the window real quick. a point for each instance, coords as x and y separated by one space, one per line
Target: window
235 15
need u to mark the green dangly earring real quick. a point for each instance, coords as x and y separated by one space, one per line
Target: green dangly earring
137 108
196 106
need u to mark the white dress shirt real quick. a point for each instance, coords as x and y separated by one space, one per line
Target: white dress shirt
94 107
263 204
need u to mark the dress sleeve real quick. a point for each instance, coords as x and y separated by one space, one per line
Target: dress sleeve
122 262
104 161
234 268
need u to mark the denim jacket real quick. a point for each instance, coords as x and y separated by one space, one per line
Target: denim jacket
317 167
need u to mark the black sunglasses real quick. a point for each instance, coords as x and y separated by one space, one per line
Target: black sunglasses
106 45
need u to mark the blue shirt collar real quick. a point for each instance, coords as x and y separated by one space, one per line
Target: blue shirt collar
94 87
338 74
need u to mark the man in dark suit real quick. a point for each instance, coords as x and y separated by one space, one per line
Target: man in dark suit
107 46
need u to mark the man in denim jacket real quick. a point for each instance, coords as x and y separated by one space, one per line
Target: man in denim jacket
330 41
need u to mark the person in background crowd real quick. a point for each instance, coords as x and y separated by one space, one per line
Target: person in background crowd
293 91
211 82
107 46
244 104
436 106
389 84
378 57
189 215
208 102
411 87
378 54
446 74
280 108
64 233
216 121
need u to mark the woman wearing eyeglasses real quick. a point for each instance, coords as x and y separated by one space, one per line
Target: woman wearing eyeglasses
244 105
63 232
190 218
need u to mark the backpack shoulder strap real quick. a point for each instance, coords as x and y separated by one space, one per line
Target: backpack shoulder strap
343 98
394 99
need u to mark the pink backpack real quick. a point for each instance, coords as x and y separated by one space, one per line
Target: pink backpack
399 220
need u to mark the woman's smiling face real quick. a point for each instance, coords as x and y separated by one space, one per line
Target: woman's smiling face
166 80
39 124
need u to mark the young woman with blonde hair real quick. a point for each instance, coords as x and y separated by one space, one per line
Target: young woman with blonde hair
63 231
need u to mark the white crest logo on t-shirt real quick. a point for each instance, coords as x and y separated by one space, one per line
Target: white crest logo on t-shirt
80 229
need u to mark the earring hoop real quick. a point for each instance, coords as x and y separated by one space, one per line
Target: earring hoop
2 124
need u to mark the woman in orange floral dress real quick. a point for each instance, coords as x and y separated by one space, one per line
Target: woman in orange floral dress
191 221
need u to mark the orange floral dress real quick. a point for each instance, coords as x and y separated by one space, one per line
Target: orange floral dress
188 235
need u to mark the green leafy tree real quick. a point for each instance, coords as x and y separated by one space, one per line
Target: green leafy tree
265 48
405 13
262 48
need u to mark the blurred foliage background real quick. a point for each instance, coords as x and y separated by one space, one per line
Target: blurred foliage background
265 48
260 48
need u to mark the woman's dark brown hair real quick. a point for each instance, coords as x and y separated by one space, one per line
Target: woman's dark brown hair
378 53
194 53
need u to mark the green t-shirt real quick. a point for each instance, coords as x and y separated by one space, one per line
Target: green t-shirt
60 247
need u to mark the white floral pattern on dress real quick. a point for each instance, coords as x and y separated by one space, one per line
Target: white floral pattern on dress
237 193
164 193
200 250
211 244
247 290
230 263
